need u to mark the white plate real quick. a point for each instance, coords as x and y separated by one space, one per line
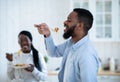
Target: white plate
21 66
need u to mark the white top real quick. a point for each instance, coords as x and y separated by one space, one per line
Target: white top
21 75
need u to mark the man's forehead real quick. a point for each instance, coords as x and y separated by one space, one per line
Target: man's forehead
72 15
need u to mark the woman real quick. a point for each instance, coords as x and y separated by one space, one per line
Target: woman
28 64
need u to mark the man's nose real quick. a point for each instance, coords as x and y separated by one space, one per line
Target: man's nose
65 23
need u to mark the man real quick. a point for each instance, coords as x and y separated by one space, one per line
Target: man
80 62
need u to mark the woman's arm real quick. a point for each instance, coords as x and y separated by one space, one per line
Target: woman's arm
40 75
10 71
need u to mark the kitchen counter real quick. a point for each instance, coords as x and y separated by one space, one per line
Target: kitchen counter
103 76
108 73
51 73
101 73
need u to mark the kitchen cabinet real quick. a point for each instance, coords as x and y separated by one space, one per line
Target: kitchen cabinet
103 76
108 78
52 76
107 16
99 78
52 79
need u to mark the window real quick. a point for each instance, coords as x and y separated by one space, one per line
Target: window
119 18
107 18
80 3
103 19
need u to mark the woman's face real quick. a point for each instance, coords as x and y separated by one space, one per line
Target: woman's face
25 43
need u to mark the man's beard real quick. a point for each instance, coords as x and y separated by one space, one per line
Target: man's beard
69 32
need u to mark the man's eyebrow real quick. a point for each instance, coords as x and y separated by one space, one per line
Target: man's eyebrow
68 18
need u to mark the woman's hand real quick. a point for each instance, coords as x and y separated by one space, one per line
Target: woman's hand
30 68
43 29
9 56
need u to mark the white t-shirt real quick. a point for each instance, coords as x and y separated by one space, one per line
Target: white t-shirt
20 74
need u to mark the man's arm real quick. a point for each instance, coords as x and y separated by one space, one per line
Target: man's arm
52 49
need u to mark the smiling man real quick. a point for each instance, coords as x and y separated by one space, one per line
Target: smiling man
80 61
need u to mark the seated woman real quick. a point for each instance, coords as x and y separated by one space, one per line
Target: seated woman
26 65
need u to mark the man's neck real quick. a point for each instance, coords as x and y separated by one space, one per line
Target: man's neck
77 38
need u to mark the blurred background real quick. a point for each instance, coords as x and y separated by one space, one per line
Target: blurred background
17 15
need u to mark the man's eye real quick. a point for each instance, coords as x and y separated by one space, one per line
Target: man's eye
68 20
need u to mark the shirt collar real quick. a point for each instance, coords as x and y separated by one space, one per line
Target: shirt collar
31 52
80 42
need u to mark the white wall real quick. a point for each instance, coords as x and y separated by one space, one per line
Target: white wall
108 49
17 15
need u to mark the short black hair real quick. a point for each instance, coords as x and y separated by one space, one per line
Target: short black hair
84 16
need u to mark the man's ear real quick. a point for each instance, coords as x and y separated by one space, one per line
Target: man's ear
80 25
